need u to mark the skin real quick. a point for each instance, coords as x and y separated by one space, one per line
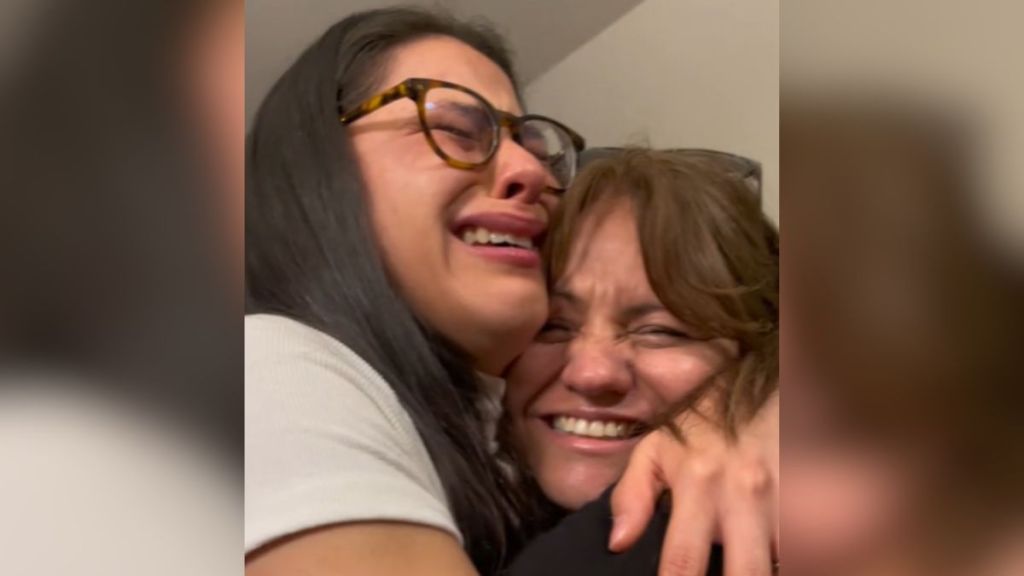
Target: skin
610 351
489 308
722 490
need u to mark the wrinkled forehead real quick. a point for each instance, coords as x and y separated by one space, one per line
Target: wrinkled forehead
605 250
604 227
451 60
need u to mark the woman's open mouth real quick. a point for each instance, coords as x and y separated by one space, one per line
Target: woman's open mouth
479 236
518 250
608 429
501 237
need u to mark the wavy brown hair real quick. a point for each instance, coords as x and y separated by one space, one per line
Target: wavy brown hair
711 255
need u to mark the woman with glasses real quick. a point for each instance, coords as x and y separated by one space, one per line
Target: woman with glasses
391 234
396 198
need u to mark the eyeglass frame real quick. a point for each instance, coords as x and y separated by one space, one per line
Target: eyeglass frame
747 169
416 89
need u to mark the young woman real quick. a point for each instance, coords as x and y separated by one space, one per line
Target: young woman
395 198
664 284
362 399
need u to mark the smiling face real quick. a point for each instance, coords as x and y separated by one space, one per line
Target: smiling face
609 360
429 217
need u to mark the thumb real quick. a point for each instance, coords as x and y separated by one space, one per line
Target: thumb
633 499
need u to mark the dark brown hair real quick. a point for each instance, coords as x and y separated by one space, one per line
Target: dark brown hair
711 255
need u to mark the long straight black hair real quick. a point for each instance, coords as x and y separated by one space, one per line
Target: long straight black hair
311 255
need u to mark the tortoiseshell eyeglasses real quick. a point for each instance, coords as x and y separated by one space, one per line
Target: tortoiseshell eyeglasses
464 129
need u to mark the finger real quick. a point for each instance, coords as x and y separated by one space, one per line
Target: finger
634 497
749 520
747 544
687 544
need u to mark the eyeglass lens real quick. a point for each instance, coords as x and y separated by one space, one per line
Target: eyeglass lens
464 129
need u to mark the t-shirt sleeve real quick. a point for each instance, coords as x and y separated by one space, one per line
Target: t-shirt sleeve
327 440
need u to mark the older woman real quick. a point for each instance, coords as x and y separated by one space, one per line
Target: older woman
663 275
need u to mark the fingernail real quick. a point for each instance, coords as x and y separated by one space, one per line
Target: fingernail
616 536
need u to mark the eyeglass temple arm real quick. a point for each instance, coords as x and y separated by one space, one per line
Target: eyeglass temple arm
374 102
513 123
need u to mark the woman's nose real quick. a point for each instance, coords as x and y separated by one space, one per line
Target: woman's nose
597 369
519 174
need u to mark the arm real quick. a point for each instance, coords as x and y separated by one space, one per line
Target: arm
337 480
579 544
722 490
368 548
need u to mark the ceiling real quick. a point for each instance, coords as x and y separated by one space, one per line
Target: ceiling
540 32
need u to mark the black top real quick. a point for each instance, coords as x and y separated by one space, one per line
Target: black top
579 544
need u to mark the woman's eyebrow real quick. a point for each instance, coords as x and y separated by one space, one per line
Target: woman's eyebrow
566 295
642 309
459 107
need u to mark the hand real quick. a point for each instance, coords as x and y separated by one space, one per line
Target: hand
723 490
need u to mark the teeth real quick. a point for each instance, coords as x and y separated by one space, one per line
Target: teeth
483 236
580 428
590 428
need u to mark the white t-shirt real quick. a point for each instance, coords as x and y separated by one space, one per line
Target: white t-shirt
326 439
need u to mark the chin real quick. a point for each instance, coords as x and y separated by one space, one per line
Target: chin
492 331
493 350
523 303
574 495
506 330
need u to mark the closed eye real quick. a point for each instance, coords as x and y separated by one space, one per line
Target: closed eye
554 331
553 159
659 336
453 130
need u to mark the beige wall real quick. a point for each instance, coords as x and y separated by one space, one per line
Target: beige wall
915 51
677 73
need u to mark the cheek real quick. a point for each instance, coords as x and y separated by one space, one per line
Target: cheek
571 481
671 374
385 186
529 383
409 189
529 376
550 202
407 205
